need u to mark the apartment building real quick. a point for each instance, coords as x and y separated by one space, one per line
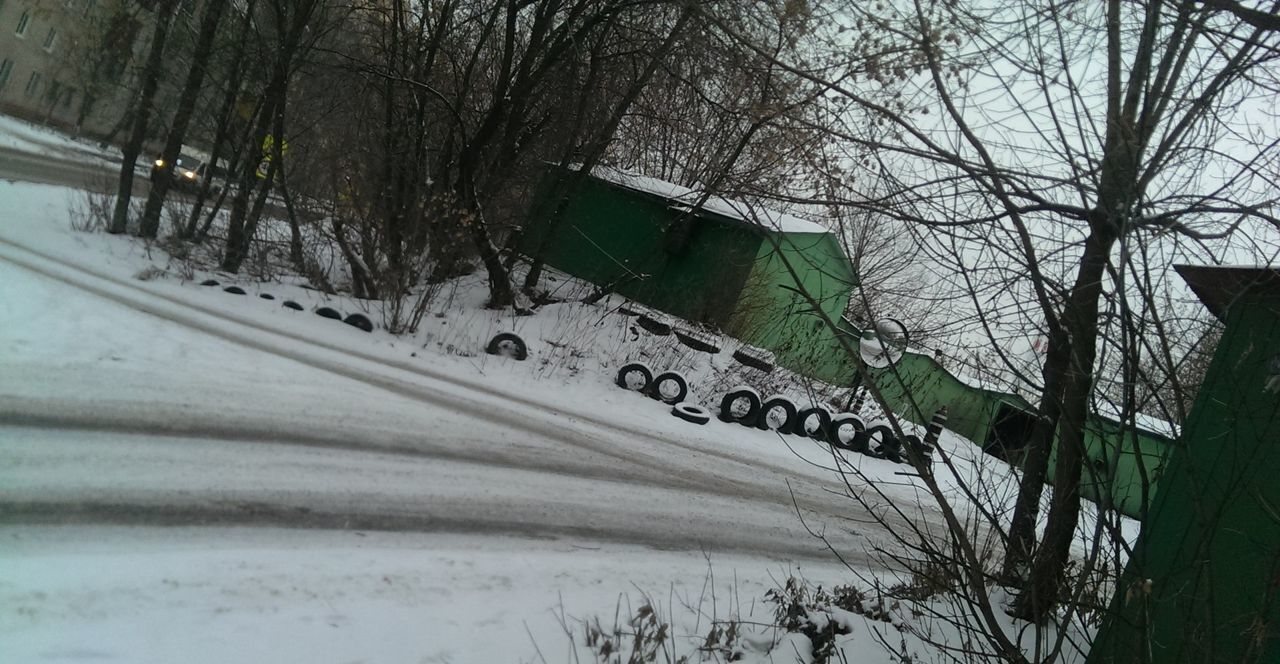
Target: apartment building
66 62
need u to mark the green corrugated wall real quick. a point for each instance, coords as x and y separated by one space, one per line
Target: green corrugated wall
611 235
773 314
1210 548
918 386
1122 461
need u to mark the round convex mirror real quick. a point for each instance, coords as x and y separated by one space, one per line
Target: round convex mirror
883 344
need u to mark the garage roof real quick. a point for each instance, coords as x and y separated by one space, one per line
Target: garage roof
685 198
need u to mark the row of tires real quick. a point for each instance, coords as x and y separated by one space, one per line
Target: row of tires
845 431
743 406
359 321
660 325
669 387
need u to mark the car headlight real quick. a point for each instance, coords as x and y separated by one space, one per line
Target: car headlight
190 175
159 163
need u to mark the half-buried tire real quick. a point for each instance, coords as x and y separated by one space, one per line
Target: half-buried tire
819 417
691 413
509 345
326 312
735 397
209 282
290 304
755 358
669 387
774 405
359 321
266 296
913 443
653 325
848 432
635 376
697 340
884 444
234 290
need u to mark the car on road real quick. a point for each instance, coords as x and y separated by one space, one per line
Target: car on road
187 171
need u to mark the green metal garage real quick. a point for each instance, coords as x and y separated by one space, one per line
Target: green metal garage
730 265
1122 459
741 269
1204 578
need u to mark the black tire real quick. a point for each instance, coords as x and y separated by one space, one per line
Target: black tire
696 340
266 296
820 432
753 407
509 344
773 403
209 282
913 442
636 368
691 413
748 359
290 304
653 325
629 309
883 444
667 377
857 442
326 312
360 321
234 290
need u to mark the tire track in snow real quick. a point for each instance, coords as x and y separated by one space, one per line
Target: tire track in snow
121 479
243 513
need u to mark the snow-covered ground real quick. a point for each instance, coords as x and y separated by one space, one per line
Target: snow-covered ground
217 595
413 498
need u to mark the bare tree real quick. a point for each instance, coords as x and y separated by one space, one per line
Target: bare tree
288 30
187 99
1059 169
142 110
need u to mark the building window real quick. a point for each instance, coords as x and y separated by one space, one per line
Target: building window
50 39
33 84
66 98
23 21
6 68
51 97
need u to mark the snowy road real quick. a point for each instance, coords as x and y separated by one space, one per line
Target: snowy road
157 480
88 172
254 427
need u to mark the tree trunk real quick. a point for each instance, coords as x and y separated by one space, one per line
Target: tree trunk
295 230
186 107
277 160
1035 465
259 203
238 236
363 285
501 295
1037 601
224 126
142 115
